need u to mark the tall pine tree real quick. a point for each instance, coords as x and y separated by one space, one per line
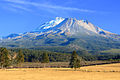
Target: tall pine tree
74 61
45 58
20 57
4 58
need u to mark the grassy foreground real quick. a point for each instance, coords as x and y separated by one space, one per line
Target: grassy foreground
98 72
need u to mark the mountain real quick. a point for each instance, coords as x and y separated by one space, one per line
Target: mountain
65 34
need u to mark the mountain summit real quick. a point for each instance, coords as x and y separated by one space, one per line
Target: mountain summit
69 25
64 32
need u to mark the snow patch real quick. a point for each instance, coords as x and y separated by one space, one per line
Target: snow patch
50 24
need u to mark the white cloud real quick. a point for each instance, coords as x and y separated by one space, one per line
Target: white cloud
20 7
49 6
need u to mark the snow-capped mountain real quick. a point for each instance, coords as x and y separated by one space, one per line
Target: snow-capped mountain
62 32
68 26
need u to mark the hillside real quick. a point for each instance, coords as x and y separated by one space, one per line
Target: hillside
111 51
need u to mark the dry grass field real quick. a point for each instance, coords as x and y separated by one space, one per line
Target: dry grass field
98 72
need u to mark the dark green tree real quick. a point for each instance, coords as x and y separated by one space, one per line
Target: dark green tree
77 64
75 61
4 58
20 57
45 58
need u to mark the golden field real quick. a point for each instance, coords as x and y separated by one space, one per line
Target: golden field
98 72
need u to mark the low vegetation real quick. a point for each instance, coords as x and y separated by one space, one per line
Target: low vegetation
97 72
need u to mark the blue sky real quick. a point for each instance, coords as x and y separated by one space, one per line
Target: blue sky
18 16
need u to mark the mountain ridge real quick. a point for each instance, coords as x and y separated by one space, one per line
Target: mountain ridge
46 27
65 32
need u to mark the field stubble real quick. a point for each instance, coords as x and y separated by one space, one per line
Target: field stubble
97 72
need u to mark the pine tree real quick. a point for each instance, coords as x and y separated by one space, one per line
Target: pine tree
20 57
45 58
4 58
77 64
75 61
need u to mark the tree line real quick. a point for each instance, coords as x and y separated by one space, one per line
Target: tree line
33 55
7 59
10 57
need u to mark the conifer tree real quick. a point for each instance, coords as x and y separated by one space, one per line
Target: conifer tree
4 58
45 58
75 61
20 57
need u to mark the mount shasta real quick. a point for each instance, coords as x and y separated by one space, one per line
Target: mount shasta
64 34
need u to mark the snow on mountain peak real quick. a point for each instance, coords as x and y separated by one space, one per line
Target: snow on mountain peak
67 26
50 24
